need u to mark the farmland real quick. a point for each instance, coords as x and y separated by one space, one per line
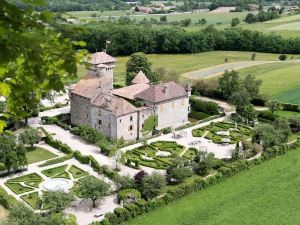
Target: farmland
233 201
280 81
182 63
287 25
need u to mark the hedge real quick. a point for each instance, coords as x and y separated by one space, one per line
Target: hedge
134 209
81 158
57 144
210 108
57 160
198 115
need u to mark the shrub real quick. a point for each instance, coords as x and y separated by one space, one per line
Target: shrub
282 57
267 115
81 158
290 107
128 196
198 115
6 200
210 108
58 144
56 160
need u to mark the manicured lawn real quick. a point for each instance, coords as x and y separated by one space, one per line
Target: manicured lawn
54 171
37 154
265 194
31 199
32 180
182 63
287 114
18 188
76 172
280 81
64 175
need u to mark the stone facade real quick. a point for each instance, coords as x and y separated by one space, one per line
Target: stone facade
122 113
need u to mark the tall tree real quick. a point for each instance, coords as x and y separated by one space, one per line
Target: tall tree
229 83
273 105
249 113
30 136
240 100
136 63
93 188
57 201
252 85
152 184
11 155
34 58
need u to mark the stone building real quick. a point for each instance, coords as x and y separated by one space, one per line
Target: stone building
130 112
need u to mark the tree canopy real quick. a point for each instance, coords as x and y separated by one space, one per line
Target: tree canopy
34 59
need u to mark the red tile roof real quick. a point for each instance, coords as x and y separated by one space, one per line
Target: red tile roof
88 86
162 92
140 78
101 58
116 105
131 91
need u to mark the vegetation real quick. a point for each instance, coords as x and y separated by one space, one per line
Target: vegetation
30 136
152 40
54 171
220 202
32 180
279 81
23 80
76 172
139 62
32 199
231 135
12 155
37 154
151 155
57 201
91 188
202 109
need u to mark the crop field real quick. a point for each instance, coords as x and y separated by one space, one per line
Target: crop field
211 18
265 194
182 63
280 81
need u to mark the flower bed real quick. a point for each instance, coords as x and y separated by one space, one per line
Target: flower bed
24 184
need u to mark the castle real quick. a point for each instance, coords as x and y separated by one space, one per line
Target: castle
130 112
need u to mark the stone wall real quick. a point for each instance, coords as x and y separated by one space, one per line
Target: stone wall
80 110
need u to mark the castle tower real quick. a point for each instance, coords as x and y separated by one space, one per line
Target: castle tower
102 65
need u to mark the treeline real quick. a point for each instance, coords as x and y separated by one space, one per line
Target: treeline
127 39
262 16
76 5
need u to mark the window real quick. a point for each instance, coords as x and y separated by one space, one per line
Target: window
109 126
120 121
182 102
131 127
131 118
161 107
173 104
99 122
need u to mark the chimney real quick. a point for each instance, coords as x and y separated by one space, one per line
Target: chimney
165 89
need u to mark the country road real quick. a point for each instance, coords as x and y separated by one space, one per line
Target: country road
219 69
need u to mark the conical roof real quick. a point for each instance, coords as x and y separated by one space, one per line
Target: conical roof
140 78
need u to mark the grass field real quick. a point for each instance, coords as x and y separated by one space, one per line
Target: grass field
38 154
182 63
265 194
280 81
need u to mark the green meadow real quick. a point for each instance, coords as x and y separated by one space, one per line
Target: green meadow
280 80
265 194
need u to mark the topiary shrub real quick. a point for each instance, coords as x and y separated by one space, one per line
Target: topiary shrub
128 196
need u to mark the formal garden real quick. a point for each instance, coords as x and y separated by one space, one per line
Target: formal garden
224 132
61 178
158 155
